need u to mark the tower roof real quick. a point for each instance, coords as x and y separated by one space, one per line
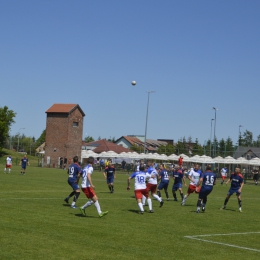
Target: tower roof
64 108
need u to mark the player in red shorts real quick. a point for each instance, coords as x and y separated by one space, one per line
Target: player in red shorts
194 176
140 188
8 164
88 188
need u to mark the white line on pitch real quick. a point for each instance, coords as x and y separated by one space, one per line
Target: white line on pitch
224 244
230 234
219 243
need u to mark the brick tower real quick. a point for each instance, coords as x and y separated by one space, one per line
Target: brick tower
64 129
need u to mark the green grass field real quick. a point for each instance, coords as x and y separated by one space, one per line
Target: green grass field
36 223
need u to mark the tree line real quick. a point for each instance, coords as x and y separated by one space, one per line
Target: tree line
214 148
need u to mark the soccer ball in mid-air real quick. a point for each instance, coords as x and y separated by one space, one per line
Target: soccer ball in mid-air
133 82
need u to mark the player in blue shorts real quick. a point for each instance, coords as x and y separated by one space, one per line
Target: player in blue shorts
74 172
179 178
237 183
165 178
208 180
110 174
24 162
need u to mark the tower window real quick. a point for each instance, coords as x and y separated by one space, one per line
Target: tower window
75 124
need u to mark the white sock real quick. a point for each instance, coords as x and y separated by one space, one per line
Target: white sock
73 203
157 197
143 199
89 203
98 207
5 170
140 205
149 201
9 170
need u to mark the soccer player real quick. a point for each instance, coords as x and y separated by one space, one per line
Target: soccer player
110 174
165 178
88 187
73 180
8 164
179 178
152 183
223 172
208 180
24 162
180 161
237 183
256 175
194 176
140 187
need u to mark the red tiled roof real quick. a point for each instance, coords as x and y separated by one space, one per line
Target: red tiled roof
105 146
64 108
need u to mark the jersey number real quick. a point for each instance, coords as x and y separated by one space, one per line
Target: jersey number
71 172
141 179
209 180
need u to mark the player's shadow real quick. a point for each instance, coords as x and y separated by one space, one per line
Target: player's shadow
66 205
134 211
82 216
228 209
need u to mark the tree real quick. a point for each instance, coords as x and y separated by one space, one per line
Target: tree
257 142
180 148
166 149
136 148
41 139
197 149
229 147
222 148
89 139
6 120
113 140
247 139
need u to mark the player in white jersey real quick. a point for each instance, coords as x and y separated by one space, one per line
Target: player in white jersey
88 188
8 164
194 177
152 183
223 172
140 188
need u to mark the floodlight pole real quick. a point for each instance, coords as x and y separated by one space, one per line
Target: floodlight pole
215 131
239 135
210 136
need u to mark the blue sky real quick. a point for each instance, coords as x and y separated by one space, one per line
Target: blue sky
195 54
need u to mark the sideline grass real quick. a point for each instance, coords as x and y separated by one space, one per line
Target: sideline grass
37 224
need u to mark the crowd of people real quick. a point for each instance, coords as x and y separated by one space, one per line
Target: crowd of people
150 179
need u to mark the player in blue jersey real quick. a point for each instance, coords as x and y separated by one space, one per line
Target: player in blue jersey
237 183
208 180
140 187
24 162
74 172
165 179
179 178
110 174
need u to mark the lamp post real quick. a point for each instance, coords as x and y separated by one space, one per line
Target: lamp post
18 138
239 134
149 92
210 136
215 131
